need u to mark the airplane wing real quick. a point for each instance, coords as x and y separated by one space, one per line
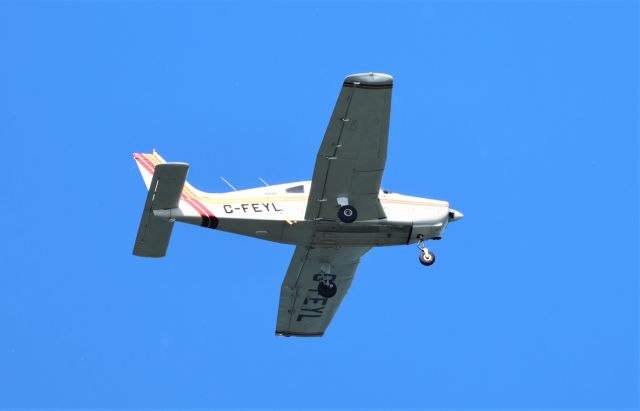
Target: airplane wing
302 311
353 153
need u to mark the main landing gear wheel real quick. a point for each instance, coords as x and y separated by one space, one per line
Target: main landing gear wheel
427 258
347 214
327 289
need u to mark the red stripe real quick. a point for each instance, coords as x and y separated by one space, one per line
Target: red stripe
200 211
212 220
208 219
149 167
205 214
145 161
209 213
146 167
195 207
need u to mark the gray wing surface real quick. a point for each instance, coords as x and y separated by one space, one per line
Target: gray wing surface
353 153
302 311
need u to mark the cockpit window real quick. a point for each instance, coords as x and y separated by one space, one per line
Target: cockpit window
296 189
386 191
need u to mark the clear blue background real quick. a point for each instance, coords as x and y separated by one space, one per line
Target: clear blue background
524 115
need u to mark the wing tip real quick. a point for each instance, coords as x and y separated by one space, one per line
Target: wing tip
297 334
369 80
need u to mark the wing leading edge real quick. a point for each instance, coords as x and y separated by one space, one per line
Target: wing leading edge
353 152
302 311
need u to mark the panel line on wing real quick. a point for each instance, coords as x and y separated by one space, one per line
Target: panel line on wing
337 145
295 287
352 155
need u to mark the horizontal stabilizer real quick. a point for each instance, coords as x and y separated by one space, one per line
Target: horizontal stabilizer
164 193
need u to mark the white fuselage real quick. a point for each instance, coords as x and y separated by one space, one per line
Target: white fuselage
277 213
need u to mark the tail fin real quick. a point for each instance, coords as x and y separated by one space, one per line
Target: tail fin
147 164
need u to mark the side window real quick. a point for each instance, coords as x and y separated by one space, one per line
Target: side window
295 189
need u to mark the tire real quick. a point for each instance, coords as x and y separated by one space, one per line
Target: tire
327 291
427 260
347 214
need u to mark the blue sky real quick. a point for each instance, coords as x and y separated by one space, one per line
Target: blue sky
524 115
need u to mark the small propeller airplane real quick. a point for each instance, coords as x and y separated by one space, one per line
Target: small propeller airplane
333 220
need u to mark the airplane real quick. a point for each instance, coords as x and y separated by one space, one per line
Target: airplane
333 220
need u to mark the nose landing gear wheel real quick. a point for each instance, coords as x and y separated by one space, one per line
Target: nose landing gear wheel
427 258
347 214
327 289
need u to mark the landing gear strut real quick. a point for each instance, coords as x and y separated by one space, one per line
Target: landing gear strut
426 257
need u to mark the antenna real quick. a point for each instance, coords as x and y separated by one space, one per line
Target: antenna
228 183
263 182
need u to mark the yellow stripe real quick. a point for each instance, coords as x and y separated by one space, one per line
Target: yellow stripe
152 158
188 191
412 202
156 159
229 200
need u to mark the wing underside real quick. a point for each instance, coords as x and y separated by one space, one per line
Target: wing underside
302 311
353 153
